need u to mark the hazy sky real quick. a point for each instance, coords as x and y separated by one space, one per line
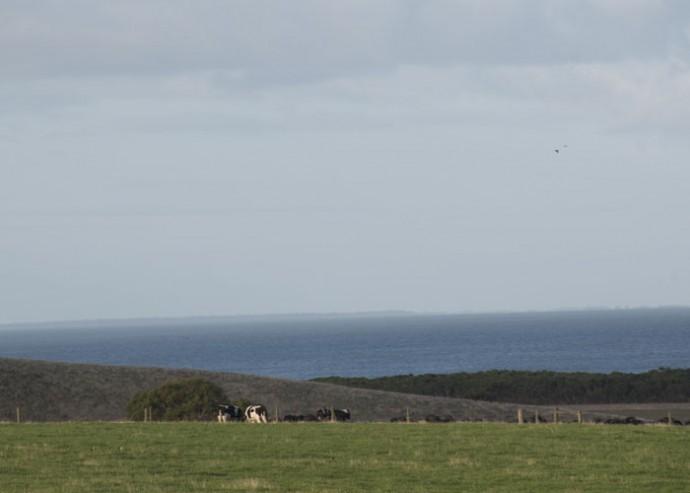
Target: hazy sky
165 158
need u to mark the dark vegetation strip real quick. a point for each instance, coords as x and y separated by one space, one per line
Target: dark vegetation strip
540 387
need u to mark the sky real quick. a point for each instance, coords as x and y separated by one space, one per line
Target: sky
190 158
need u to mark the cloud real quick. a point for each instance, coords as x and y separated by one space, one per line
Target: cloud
622 96
310 40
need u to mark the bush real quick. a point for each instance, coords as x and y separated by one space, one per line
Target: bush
183 400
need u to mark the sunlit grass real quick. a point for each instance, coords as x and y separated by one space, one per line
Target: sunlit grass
310 458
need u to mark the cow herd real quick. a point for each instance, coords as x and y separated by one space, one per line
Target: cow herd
252 414
630 420
258 414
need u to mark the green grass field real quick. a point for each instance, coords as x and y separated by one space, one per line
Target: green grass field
191 457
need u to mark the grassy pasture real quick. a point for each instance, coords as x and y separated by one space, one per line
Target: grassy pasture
309 458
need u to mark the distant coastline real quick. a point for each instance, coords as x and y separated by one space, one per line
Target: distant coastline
183 320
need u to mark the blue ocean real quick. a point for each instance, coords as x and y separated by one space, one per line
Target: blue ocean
303 347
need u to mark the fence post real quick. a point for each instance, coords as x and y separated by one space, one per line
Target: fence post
519 416
536 416
669 418
555 416
277 418
19 416
332 414
407 415
579 417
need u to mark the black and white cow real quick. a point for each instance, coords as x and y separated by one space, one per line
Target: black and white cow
324 414
229 412
256 414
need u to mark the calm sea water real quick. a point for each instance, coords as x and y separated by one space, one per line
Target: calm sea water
306 347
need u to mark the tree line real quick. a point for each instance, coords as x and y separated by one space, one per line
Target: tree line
538 387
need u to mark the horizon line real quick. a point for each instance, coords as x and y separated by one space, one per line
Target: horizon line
337 314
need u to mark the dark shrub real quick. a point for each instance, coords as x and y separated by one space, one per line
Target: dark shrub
538 387
194 399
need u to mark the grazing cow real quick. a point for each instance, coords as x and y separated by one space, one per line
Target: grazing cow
256 414
229 412
530 418
432 418
324 414
298 418
630 420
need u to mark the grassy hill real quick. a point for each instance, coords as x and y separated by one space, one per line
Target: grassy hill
51 391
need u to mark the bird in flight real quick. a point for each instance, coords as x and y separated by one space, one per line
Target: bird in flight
558 151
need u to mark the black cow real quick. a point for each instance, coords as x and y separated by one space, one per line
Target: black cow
530 418
230 412
630 420
324 414
432 418
298 418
